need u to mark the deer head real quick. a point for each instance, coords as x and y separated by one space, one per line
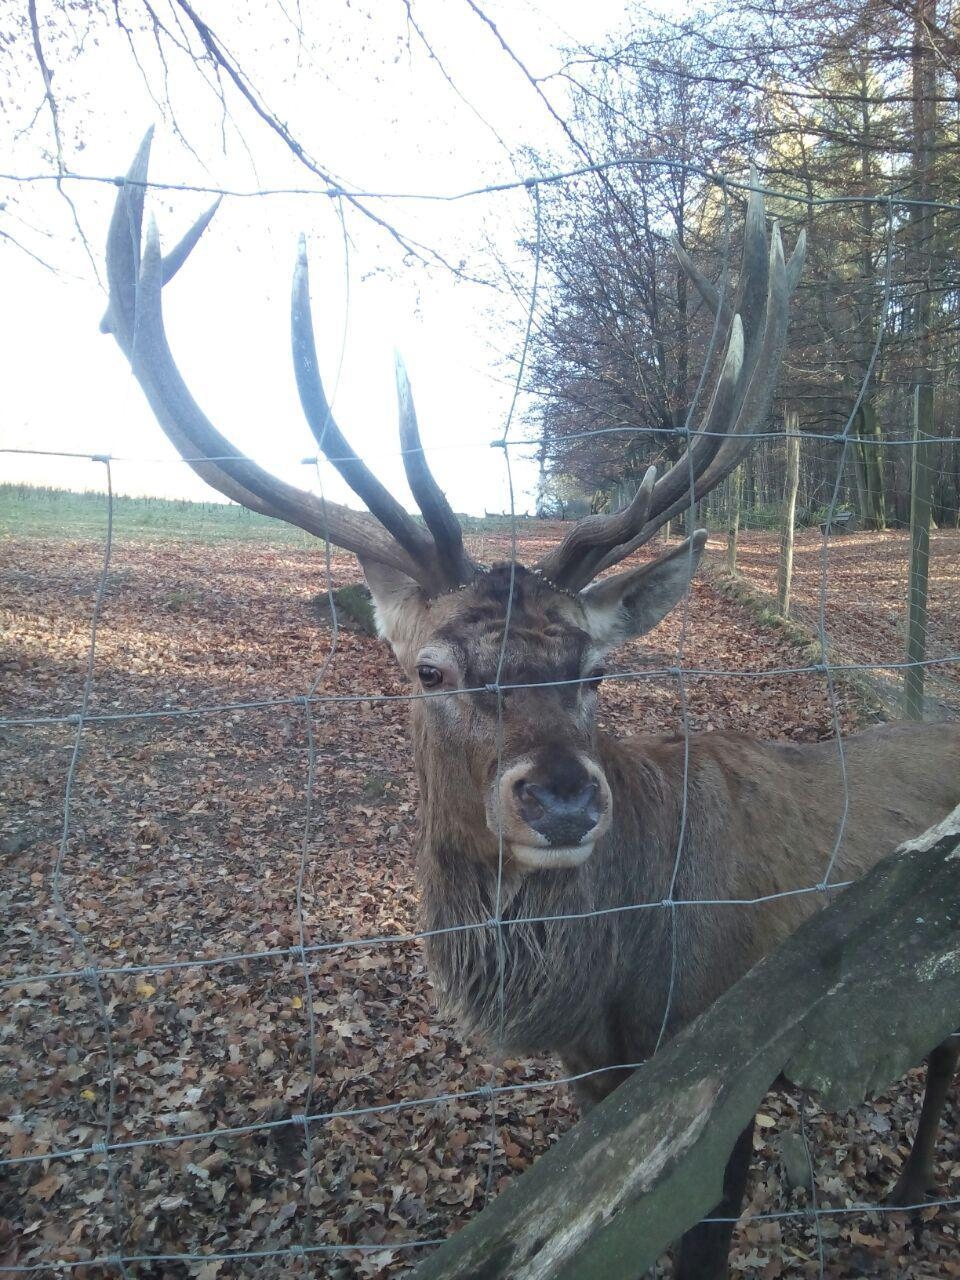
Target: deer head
508 762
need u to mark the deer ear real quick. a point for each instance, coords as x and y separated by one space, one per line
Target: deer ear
632 603
399 602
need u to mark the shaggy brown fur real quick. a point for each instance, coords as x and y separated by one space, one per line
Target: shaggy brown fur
761 819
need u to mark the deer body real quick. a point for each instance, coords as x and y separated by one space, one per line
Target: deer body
529 813
762 819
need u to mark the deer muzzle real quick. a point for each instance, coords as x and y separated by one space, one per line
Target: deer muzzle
550 808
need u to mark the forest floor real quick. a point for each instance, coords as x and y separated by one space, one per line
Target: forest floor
858 583
188 840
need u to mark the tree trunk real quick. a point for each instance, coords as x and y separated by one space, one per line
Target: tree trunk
860 475
874 463
869 466
791 484
867 451
923 230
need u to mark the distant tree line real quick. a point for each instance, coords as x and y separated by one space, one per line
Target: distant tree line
852 102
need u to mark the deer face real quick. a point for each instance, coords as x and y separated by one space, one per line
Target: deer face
516 720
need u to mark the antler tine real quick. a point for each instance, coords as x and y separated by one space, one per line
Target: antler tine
795 262
135 318
174 260
752 287
708 440
328 435
577 561
741 399
123 238
707 290
738 441
598 540
569 564
437 513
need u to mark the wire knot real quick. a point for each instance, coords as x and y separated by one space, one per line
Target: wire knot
491 688
101 457
99 1148
89 972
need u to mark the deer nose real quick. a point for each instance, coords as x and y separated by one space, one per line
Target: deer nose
563 818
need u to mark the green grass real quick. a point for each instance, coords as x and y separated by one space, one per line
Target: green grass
33 511
28 511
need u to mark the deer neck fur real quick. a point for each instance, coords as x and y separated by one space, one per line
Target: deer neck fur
534 986
760 819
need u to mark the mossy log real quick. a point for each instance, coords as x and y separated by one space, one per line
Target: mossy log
353 605
852 1000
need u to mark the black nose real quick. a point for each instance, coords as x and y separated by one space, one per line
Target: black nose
564 817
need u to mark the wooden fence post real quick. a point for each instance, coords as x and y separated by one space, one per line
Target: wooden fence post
791 484
921 485
734 499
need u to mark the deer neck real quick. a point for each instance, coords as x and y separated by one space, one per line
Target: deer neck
519 986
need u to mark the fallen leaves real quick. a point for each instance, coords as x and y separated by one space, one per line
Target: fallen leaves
185 844
863 596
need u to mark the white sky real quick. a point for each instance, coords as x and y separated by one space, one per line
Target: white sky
370 107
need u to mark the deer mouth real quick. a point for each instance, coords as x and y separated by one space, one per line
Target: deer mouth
550 811
553 857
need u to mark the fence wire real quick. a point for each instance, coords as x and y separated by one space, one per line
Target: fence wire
312 701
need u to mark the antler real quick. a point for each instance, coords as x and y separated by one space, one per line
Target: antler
756 328
386 533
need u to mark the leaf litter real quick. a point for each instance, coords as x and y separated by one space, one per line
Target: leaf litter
185 844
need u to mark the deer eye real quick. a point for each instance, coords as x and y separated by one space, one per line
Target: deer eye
429 677
593 678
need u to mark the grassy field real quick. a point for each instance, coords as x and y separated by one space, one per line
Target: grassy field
29 511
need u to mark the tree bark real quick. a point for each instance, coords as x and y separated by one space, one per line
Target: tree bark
921 487
869 430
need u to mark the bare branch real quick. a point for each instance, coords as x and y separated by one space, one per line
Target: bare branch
54 109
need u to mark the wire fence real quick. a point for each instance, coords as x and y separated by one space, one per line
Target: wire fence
88 961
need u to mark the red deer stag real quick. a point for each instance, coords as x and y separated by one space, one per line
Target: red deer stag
524 802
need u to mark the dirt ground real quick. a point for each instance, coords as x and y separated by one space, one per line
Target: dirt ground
188 839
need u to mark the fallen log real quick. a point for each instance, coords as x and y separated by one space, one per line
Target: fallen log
850 1002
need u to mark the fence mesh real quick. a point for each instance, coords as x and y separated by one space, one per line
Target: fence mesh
190 1075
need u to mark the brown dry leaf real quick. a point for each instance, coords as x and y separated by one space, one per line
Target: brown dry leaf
48 1186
